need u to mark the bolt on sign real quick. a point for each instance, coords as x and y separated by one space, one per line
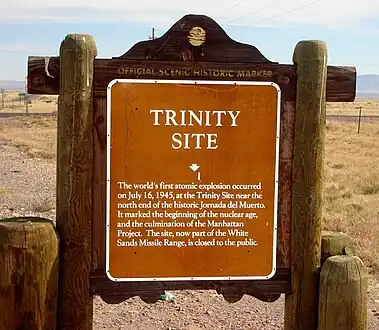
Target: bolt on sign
192 180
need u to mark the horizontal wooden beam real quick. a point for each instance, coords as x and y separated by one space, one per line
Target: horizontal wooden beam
116 292
44 75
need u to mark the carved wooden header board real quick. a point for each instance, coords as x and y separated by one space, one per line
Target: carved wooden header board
194 48
173 56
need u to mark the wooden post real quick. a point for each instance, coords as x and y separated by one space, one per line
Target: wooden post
301 305
343 294
74 180
335 243
29 260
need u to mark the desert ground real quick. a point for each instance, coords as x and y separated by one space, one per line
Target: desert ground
351 199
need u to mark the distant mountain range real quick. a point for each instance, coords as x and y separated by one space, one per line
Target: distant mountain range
12 85
367 86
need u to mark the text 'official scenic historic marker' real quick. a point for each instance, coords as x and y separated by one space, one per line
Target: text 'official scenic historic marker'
192 180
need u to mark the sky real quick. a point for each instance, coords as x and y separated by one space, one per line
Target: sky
36 27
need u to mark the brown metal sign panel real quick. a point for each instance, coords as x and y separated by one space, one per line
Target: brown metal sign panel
192 180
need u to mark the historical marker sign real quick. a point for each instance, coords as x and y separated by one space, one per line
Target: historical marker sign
192 180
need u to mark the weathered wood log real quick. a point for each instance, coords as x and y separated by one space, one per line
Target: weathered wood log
74 181
343 294
335 243
263 290
301 305
29 262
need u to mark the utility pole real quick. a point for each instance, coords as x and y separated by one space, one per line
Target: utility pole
359 118
2 97
26 95
152 34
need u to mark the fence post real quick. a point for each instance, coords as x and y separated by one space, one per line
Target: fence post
74 180
343 294
301 305
29 259
335 243
359 119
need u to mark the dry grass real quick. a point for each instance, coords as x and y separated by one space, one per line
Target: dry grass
42 206
351 189
369 108
36 103
35 135
3 190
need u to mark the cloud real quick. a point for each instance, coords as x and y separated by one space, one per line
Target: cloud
23 48
276 13
369 31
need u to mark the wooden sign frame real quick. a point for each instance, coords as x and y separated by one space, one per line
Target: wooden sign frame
81 81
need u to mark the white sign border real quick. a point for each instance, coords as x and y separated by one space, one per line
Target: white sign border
189 82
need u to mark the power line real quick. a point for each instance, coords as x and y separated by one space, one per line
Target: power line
236 5
288 11
277 15
231 7
255 11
